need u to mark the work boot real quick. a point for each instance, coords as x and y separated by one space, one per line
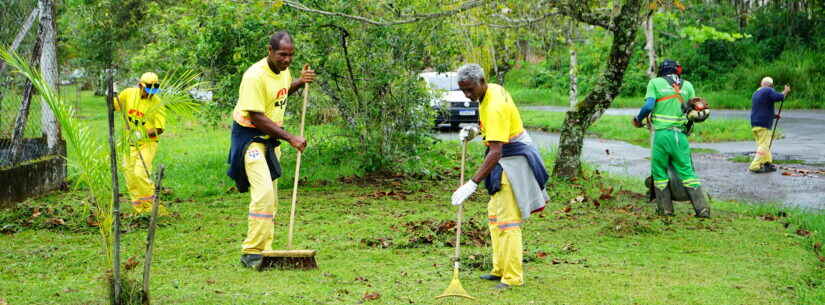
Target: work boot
699 201
490 277
251 260
765 168
664 204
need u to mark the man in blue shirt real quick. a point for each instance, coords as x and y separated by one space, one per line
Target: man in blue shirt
762 115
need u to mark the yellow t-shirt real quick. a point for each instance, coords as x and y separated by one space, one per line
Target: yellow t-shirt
262 91
498 115
142 114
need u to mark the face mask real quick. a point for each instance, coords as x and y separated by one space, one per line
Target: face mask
151 88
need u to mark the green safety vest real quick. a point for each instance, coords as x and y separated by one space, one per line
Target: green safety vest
668 110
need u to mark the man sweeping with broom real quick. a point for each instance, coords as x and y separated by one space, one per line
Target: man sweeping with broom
513 173
145 120
257 128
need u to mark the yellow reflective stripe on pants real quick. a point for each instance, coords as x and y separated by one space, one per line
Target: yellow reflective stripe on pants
763 152
505 233
263 205
140 187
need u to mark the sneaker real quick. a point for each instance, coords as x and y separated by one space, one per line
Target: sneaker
769 167
490 277
251 260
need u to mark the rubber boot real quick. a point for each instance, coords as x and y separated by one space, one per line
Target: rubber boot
700 201
664 204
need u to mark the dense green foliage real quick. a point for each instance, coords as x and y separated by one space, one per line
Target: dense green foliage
718 54
367 80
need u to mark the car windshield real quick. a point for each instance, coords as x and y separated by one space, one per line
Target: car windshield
443 81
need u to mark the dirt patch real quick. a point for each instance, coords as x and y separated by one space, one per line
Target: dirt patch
432 233
442 233
58 217
627 225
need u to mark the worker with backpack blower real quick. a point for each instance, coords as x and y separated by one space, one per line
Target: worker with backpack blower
671 103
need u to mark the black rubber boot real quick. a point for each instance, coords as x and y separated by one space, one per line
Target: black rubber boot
251 260
490 277
664 204
700 201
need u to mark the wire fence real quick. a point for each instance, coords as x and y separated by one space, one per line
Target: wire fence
21 136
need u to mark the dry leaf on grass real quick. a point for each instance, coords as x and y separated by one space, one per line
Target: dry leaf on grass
370 296
56 221
130 263
802 232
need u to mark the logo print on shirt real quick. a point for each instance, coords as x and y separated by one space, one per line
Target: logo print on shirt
280 97
253 154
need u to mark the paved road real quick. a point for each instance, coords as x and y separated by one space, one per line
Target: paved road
804 140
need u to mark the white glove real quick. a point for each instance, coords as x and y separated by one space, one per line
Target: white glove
468 133
464 192
137 135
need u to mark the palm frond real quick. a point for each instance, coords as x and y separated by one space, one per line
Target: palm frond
89 157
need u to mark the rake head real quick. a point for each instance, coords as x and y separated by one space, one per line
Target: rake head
455 289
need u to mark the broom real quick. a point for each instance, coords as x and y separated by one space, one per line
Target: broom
455 289
289 258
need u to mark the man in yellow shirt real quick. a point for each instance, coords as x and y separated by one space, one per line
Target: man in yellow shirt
145 120
513 173
258 125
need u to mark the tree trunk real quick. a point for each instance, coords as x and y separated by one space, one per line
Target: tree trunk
574 82
20 36
624 27
649 47
48 67
23 114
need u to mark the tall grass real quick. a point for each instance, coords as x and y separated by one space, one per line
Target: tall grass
618 128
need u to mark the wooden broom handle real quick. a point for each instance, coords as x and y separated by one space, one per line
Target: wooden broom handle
461 206
297 171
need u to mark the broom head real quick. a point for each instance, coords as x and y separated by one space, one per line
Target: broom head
288 259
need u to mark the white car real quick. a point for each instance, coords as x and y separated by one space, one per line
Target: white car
452 106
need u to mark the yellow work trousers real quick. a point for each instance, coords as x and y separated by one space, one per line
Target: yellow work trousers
763 152
264 200
505 233
138 183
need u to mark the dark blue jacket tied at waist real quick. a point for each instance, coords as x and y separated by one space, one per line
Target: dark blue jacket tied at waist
241 138
493 181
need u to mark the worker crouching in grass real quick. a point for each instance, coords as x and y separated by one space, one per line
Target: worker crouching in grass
762 115
257 128
145 120
513 173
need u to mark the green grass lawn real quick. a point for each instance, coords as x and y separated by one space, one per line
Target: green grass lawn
598 242
617 253
619 128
